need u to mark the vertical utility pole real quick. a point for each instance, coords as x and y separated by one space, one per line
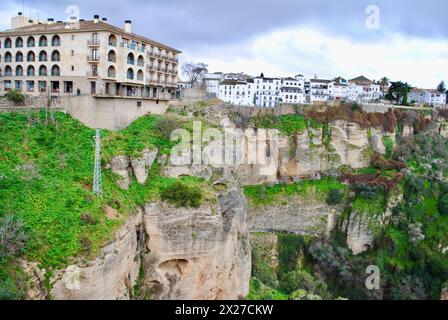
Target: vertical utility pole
97 185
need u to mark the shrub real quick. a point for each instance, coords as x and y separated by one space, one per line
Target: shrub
15 96
9 290
334 197
12 236
166 126
443 205
183 195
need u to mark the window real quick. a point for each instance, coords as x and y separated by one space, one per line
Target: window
30 71
43 42
68 86
130 74
56 41
42 86
8 57
19 57
131 58
30 57
30 86
112 40
54 86
19 42
140 75
73 37
73 68
55 71
95 55
7 85
112 56
30 43
19 71
18 85
8 43
55 56
42 56
111 72
8 71
93 87
73 53
43 71
140 61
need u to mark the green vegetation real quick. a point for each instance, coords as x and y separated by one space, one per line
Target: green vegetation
15 96
183 195
389 145
318 189
147 132
46 172
292 279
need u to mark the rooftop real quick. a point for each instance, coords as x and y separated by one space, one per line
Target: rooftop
80 26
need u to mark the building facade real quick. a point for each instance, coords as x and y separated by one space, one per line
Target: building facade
361 89
237 92
267 92
427 96
85 57
292 90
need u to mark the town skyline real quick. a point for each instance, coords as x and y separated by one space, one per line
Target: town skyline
304 41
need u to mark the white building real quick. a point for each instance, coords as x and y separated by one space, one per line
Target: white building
267 92
237 92
340 89
321 90
211 83
292 90
361 89
431 97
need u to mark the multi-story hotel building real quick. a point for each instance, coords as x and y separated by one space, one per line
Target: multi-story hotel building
85 57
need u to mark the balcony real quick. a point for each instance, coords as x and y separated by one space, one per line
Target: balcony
93 42
91 59
92 74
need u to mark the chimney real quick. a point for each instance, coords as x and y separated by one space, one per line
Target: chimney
104 19
50 20
128 26
19 13
96 18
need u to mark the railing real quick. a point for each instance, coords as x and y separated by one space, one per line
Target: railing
93 42
91 74
93 59
56 43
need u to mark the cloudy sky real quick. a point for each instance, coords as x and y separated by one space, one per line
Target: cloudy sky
400 39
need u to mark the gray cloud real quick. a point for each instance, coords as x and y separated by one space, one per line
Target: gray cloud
191 24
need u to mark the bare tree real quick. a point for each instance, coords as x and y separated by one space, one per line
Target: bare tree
195 72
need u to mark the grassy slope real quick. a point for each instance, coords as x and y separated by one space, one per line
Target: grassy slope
51 200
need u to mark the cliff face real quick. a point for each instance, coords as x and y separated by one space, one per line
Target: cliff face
109 277
184 254
301 155
298 216
198 253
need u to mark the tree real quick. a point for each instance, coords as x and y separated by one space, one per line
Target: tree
195 72
398 91
384 82
441 87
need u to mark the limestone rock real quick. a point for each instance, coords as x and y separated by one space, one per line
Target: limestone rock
299 216
110 276
359 234
197 253
121 166
36 283
142 165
